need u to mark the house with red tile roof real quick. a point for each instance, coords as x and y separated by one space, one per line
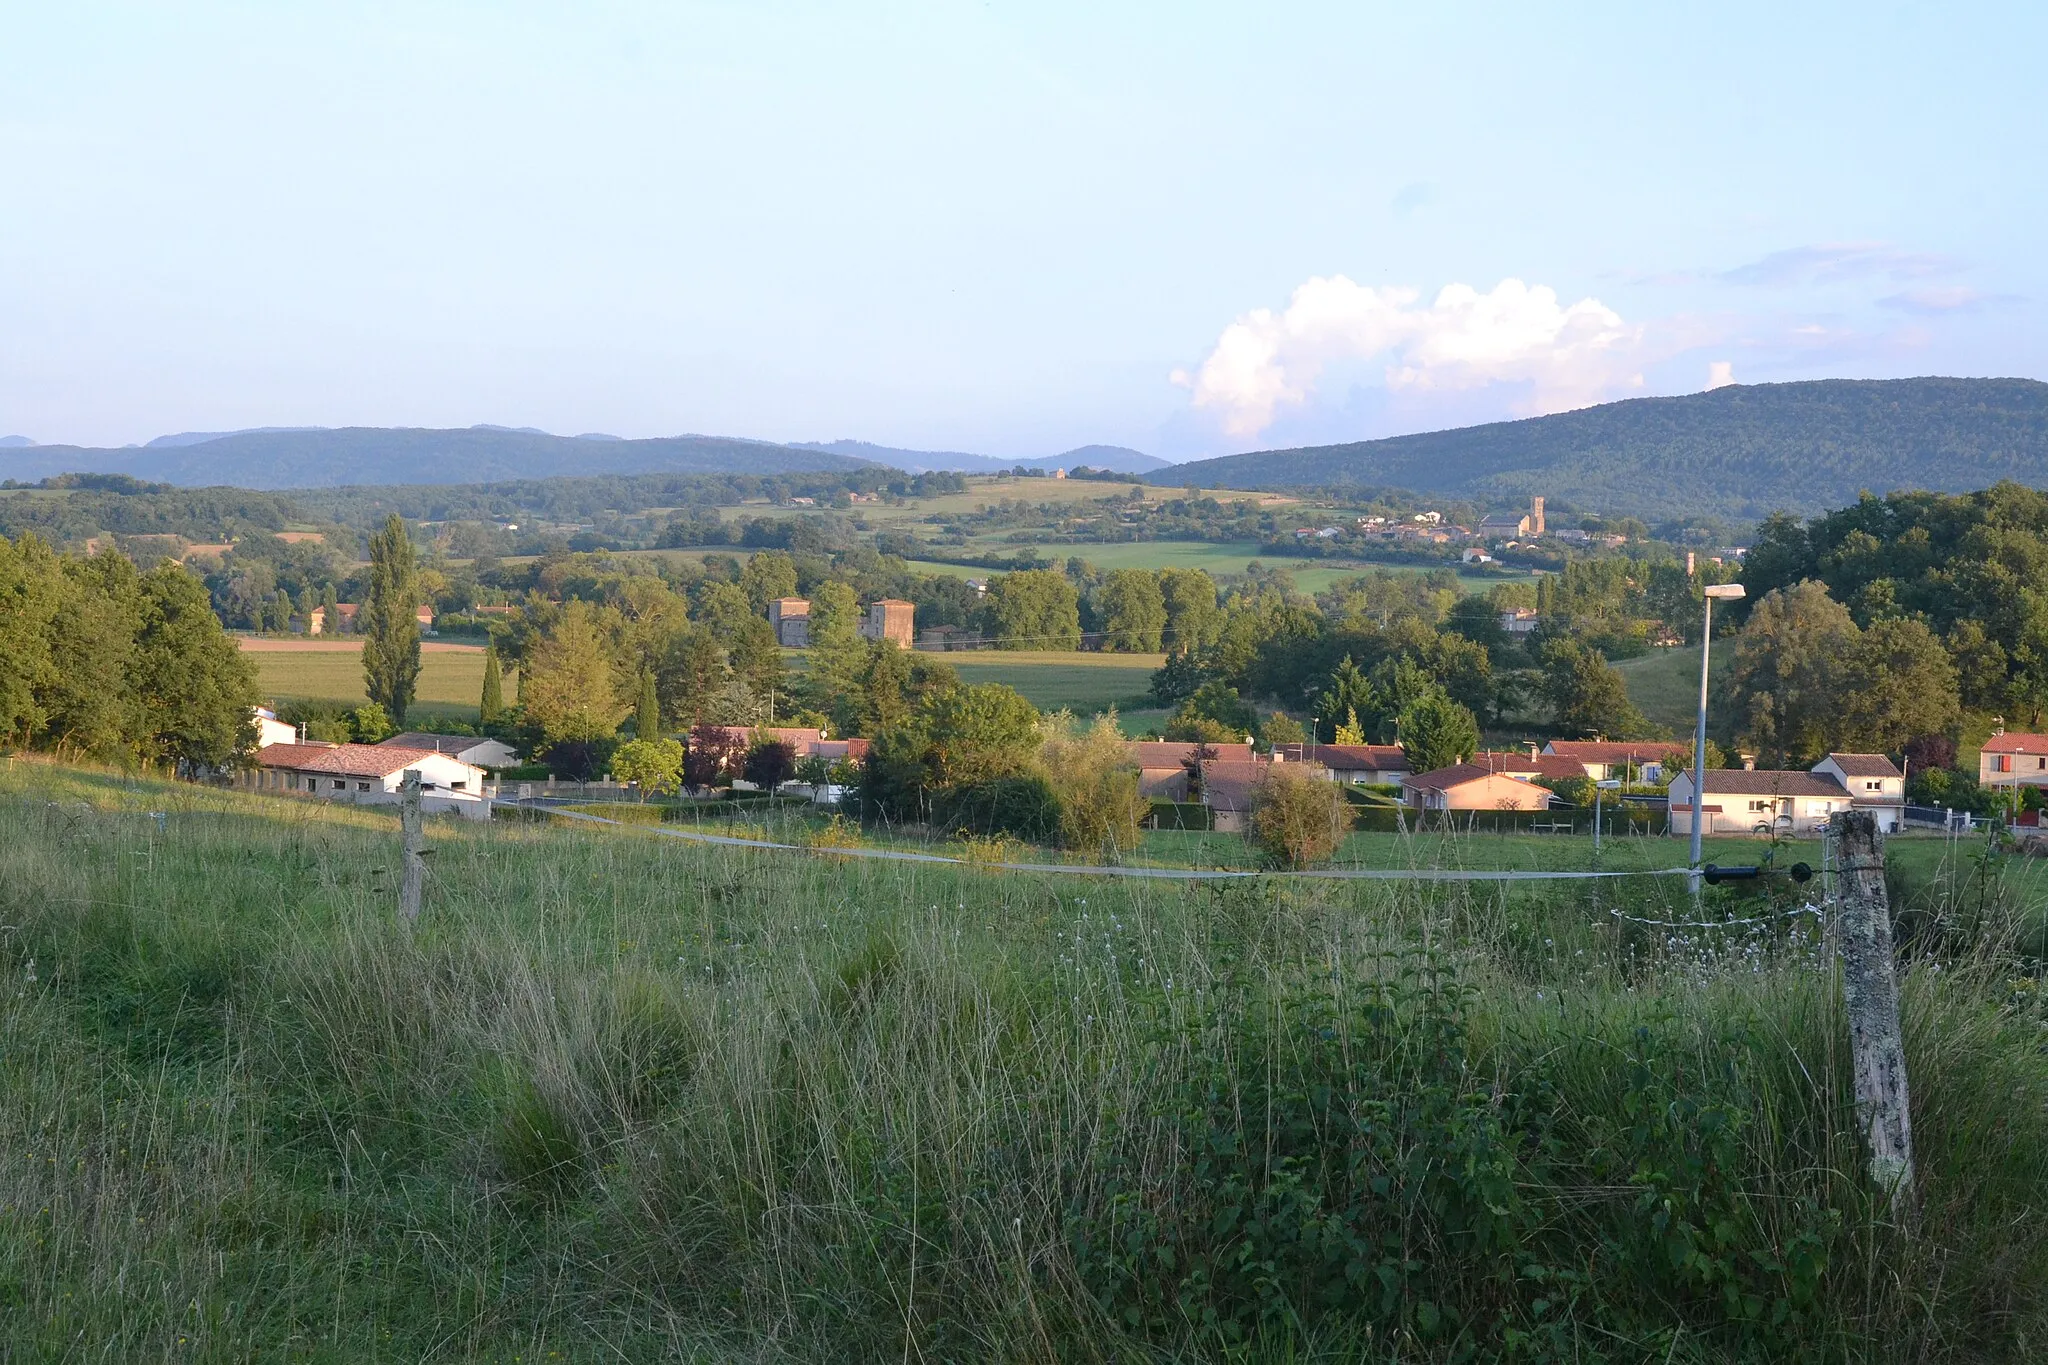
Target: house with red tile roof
369 774
1472 786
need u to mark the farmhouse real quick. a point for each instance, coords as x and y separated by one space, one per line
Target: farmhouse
369 775
891 619
1470 786
479 751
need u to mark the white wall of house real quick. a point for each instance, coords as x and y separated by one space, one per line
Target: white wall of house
2024 769
1752 812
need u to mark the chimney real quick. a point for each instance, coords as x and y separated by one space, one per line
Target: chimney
1532 748
1748 763
1688 564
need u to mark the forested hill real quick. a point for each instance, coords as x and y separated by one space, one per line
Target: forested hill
410 455
1742 451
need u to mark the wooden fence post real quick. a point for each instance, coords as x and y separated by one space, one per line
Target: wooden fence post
1870 988
415 867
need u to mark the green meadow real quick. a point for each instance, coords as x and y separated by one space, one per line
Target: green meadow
617 1097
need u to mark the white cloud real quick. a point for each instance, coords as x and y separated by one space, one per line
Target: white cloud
1720 373
1565 356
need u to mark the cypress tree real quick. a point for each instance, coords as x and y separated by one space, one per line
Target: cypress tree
493 704
647 721
390 623
330 620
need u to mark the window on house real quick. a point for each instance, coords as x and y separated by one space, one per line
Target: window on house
457 786
2001 763
362 786
1873 786
1759 805
340 785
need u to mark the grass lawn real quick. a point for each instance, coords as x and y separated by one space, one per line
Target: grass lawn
617 1097
451 676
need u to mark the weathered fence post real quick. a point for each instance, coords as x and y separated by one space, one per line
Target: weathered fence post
415 867
1870 988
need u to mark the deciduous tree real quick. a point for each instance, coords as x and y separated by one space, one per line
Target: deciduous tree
390 621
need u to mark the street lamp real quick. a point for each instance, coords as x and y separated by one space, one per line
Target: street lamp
1726 592
1600 789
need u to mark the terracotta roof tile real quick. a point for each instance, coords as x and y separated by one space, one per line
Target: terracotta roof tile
344 760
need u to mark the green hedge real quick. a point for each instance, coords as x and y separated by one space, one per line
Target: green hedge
1181 815
1616 822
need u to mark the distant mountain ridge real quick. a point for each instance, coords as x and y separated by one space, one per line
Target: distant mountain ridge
329 457
1122 459
1742 451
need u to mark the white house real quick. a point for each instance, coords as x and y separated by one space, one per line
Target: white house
1758 801
369 775
472 749
270 730
1874 782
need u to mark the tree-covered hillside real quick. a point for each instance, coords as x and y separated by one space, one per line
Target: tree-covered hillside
402 455
1743 451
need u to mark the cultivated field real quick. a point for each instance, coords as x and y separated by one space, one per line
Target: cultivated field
451 675
621 1098
1085 683
1665 684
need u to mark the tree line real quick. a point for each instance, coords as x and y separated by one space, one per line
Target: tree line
103 662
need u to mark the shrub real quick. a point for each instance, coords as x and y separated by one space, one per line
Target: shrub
1298 817
770 764
1024 806
1097 785
656 764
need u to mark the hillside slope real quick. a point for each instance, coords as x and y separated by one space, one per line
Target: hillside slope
406 455
1122 459
1741 451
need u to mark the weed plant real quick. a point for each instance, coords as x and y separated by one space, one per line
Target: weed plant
625 1097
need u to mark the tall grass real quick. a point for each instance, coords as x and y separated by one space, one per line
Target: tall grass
619 1097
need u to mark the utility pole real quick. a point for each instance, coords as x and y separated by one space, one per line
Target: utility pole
1870 990
1727 592
414 875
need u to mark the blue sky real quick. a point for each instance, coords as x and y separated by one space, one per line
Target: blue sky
1001 227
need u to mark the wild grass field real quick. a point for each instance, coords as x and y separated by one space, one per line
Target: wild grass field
1665 684
621 1098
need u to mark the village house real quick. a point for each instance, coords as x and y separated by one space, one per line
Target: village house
1526 763
1228 787
1758 801
1873 781
369 775
1630 760
1162 765
345 613
2013 758
477 750
1369 764
1472 786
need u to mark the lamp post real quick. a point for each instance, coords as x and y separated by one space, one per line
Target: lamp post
1726 592
1600 789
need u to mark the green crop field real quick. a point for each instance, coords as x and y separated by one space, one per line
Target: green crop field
1310 575
451 680
617 1097
1084 683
